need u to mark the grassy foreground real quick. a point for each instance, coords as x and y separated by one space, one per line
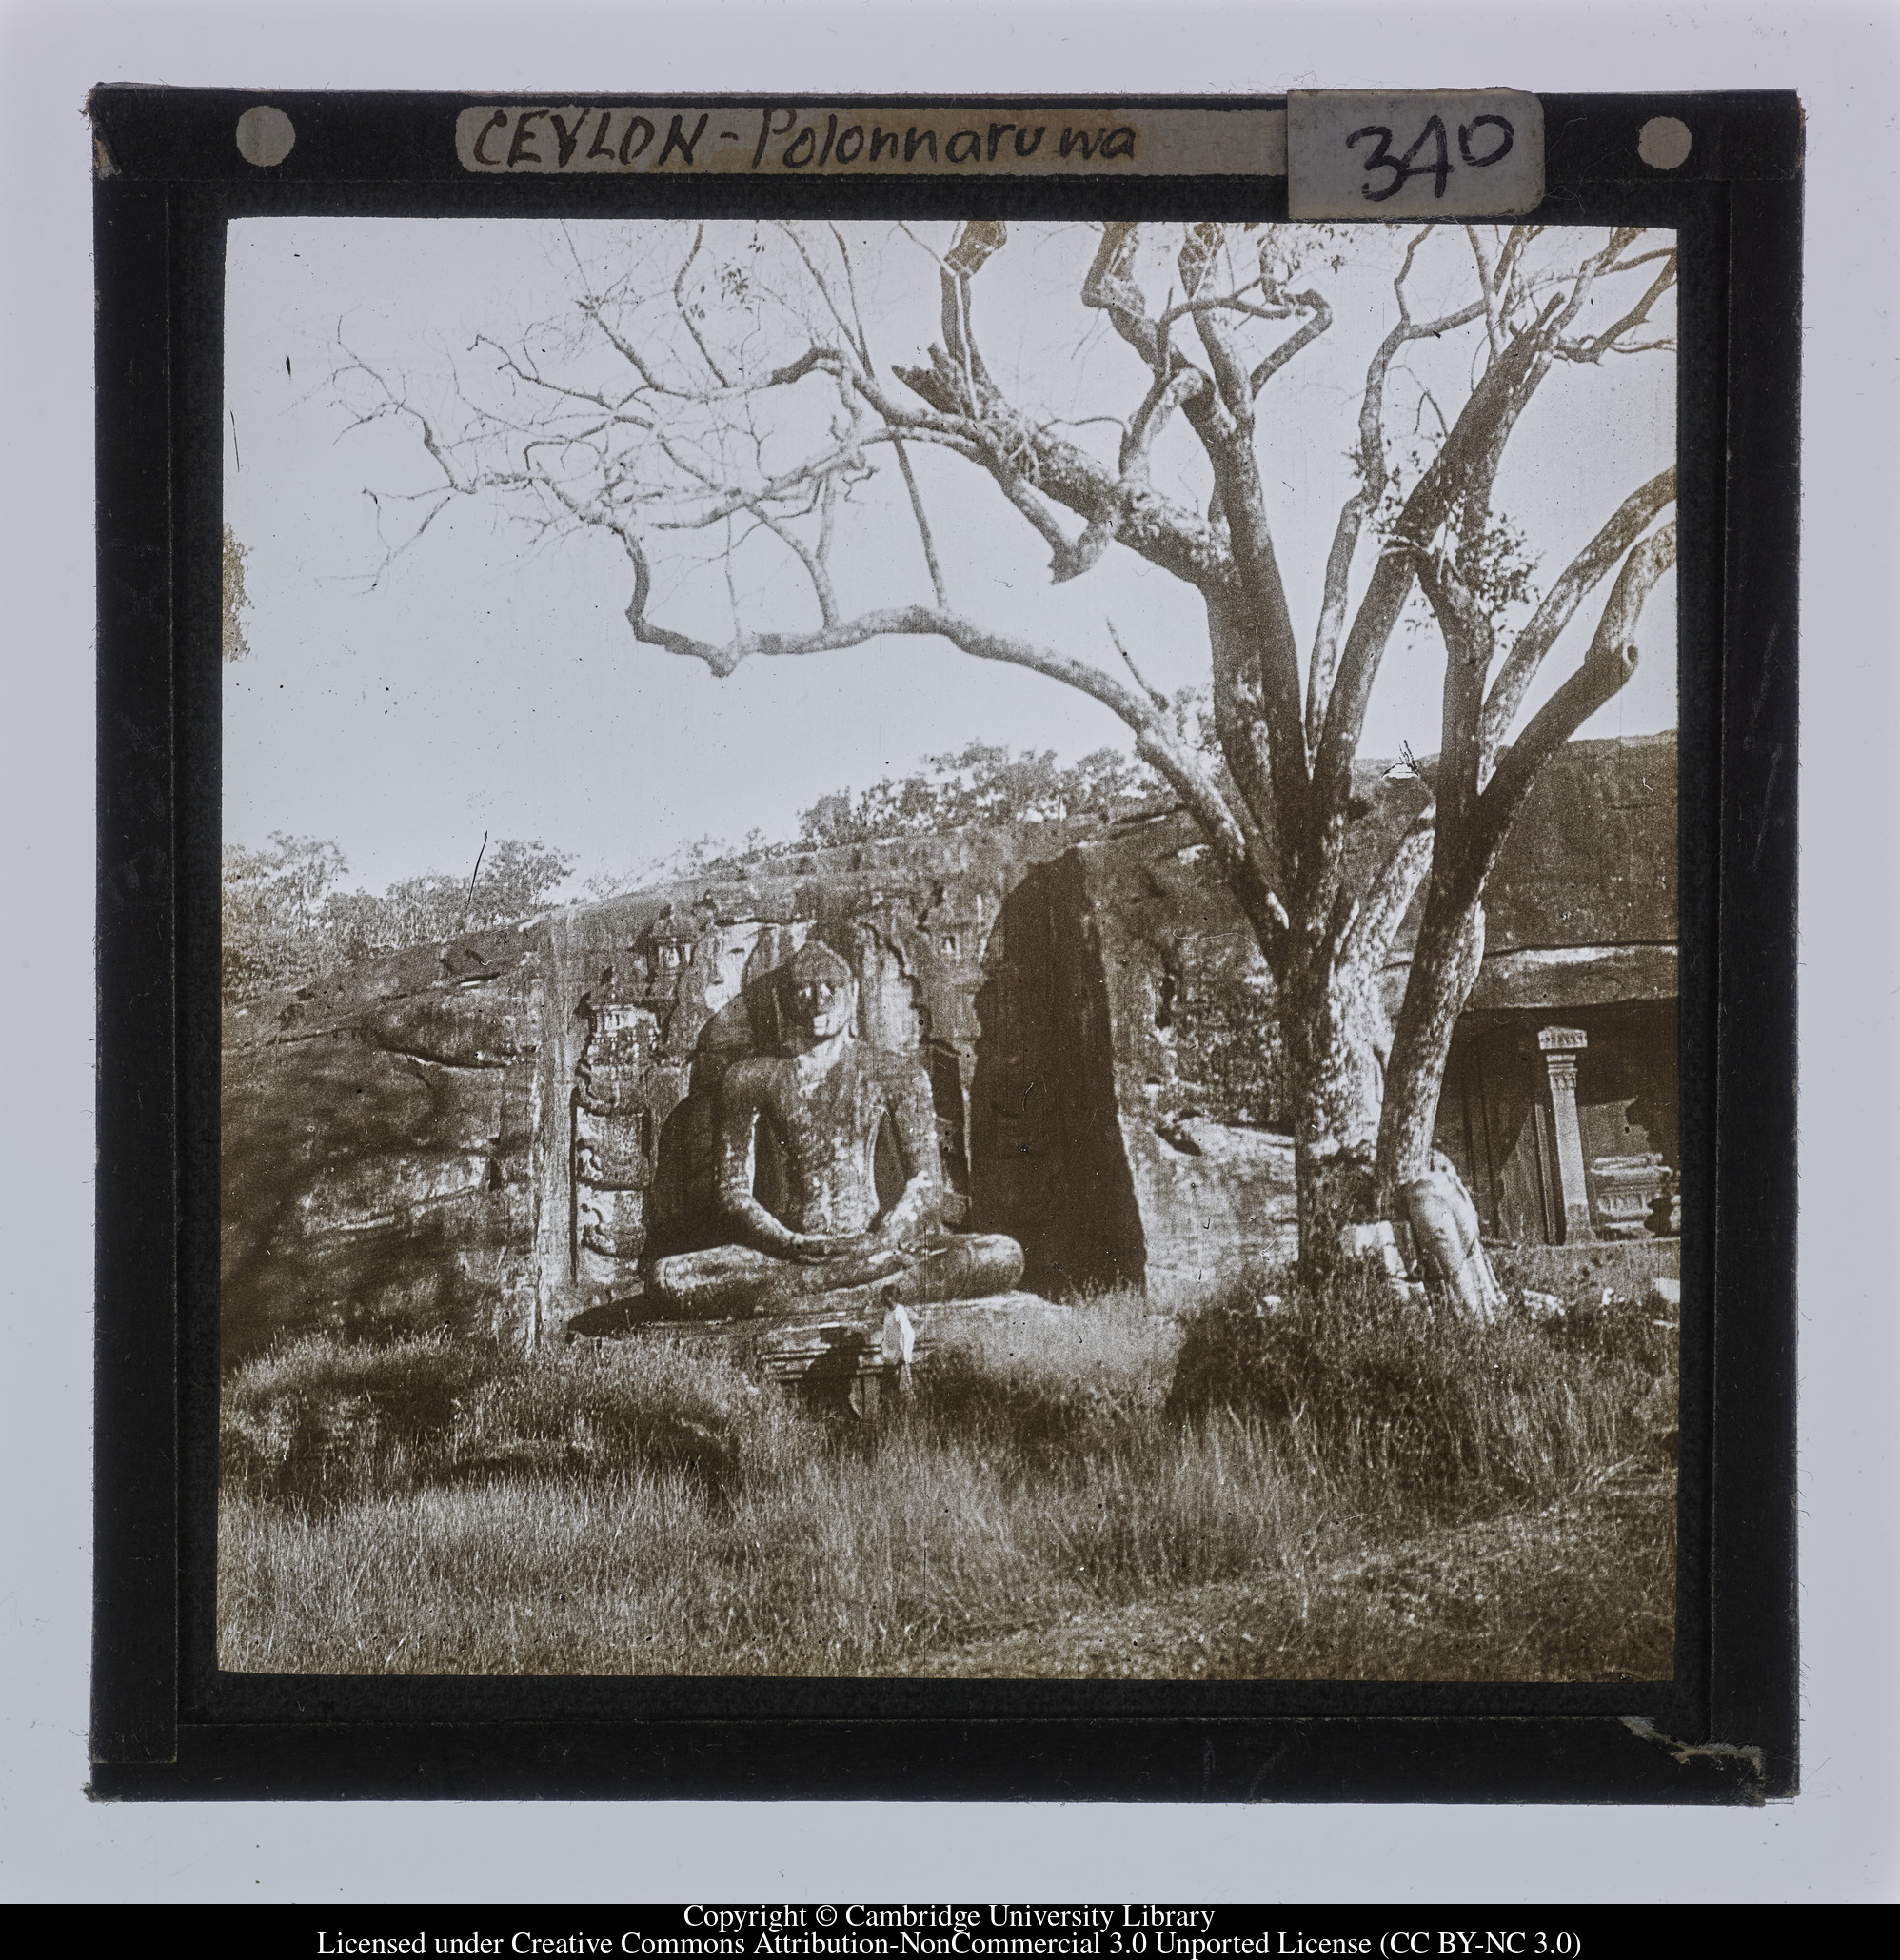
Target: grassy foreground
631 1508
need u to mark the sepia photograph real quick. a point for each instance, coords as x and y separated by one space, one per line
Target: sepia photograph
949 950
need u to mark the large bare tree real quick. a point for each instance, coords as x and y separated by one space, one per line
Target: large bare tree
730 401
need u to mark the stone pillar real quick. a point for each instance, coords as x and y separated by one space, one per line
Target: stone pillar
1560 1047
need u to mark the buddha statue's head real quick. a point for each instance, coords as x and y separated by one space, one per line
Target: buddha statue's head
819 993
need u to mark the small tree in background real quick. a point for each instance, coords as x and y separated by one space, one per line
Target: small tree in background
236 600
276 902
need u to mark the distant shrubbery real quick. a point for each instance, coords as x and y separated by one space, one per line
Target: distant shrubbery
237 601
983 786
288 920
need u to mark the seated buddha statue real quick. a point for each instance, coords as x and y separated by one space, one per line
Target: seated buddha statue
823 1101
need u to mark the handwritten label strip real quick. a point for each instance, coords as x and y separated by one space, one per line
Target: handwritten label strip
784 139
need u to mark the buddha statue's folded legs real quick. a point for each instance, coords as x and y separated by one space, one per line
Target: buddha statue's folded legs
738 1281
824 1100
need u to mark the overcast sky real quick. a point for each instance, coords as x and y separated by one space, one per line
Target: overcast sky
486 683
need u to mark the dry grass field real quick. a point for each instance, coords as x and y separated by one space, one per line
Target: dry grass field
1329 1489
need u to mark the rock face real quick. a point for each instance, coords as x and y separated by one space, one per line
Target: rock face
490 1136
379 1139
1127 1086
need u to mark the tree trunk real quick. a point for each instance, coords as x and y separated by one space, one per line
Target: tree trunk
1335 1037
1411 1180
1444 969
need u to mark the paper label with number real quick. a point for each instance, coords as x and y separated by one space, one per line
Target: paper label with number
1417 153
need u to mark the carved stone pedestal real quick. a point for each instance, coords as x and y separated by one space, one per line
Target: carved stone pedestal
1627 1190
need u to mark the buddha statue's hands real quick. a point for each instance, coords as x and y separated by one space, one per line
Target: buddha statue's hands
813 1248
857 1260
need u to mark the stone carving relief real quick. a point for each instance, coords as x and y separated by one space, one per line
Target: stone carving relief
646 1005
918 970
666 1016
1626 1189
618 1083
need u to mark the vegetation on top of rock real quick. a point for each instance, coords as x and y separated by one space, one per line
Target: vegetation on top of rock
287 919
984 785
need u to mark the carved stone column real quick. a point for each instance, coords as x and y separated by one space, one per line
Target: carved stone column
1560 1047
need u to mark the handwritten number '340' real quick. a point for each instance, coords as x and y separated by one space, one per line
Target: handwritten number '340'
1403 169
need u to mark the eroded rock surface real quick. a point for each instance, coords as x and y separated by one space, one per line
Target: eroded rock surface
504 1132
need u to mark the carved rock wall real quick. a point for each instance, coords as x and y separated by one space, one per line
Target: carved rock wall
487 1135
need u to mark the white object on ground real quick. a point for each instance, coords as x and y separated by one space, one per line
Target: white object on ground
1445 1230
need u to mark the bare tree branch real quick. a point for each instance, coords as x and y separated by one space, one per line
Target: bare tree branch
936 570
1154 740
1493 304
1369 931
1572 586
1370 459
1593 347
958 385
1296 341
1608 664
812 558
1153 693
